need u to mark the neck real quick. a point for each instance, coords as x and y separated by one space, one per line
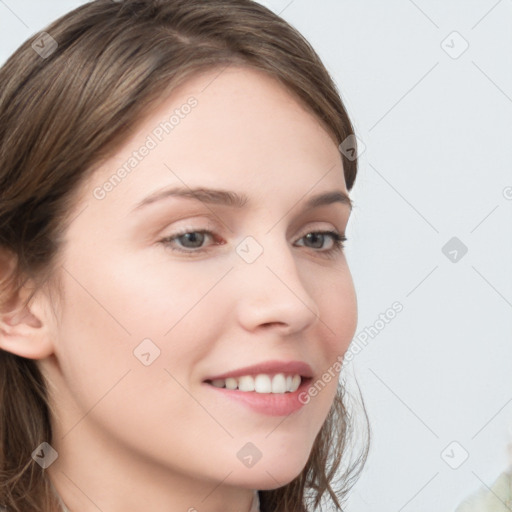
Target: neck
254 506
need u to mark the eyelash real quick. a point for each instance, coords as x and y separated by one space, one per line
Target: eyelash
337 238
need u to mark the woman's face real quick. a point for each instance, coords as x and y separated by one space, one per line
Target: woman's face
145 322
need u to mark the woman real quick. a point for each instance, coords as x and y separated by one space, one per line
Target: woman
175 301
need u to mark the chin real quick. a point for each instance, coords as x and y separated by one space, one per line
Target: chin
271 475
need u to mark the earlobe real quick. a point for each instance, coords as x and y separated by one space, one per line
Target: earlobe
24 330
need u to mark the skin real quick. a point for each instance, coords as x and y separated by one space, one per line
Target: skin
132 437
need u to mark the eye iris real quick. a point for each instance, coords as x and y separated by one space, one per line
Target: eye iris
317 236
193 237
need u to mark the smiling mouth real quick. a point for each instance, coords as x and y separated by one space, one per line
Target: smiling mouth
262 383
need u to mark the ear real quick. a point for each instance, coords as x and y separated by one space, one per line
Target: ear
26 330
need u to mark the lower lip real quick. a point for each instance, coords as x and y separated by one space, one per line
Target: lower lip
271 404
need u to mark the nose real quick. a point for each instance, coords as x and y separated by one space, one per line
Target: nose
272 293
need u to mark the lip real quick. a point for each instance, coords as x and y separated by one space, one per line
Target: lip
270 368
271 404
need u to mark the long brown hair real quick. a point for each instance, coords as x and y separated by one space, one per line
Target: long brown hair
64 112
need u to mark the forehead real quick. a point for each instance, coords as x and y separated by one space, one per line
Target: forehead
235 128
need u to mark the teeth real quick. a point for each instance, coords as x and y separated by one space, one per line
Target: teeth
278 383
262 383
231 383
246 383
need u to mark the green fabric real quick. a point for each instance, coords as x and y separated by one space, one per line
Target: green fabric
496 498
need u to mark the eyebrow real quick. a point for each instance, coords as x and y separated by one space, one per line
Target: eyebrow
236 200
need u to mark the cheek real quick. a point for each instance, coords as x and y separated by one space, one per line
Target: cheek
110 384
339 315
96 331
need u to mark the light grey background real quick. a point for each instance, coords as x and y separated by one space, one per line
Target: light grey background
437 164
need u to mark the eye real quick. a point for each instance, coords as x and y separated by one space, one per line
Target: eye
317 238
192 241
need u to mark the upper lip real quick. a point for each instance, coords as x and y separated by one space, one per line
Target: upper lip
269 367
